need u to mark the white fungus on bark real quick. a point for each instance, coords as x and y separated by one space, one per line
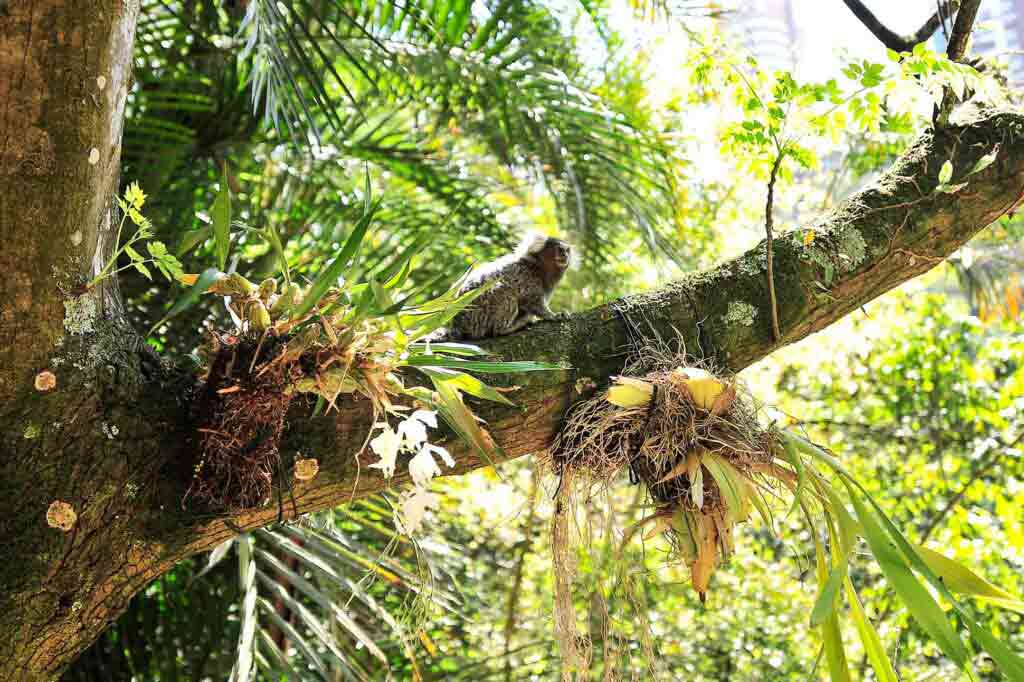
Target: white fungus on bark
306 469
46 381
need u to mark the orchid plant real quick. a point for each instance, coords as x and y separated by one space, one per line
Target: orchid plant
411 438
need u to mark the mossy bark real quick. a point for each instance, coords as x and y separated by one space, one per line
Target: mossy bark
107 438
99 441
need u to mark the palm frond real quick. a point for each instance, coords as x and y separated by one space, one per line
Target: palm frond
603 168
311 587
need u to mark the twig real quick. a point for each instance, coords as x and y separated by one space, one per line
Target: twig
957 48
893 40
905 204
512 604
940 11
982 468
915 256
776 334
962 30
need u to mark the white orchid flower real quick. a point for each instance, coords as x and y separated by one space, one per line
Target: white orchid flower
386 445
414 506
445 455
422 468
413 433
414 428
428 417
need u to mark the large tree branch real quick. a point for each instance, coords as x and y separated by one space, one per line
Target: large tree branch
890 38
894 230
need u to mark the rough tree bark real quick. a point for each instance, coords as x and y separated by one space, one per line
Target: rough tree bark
107 438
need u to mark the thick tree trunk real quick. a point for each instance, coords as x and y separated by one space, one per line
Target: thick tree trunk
64 70
107 438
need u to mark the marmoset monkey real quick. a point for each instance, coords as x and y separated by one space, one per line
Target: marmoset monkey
526 279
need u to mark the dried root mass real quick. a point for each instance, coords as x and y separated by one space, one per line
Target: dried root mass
694 441
254 374
240 418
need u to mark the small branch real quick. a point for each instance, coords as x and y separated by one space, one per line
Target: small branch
776 334
893 40
940 11
962 29
981 469
957 48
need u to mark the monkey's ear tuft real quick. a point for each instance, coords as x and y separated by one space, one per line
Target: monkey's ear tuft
533 243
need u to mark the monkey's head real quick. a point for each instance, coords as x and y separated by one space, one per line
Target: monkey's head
549 251
552 255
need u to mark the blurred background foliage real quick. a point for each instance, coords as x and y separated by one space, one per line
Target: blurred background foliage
499 116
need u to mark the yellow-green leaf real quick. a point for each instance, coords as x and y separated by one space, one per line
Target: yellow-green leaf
221 216
946 172
831 635
984 162
869 638
825 605
962 580
731 483
467 384
918 600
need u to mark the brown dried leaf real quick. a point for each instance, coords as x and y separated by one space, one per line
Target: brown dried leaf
697 488
682 467
707 556
693 462
662 524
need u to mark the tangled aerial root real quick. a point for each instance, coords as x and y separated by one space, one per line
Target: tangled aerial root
296 341
251 382
240 418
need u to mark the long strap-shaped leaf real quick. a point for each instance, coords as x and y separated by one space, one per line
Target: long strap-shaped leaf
242 670
877 657
897 556
329 276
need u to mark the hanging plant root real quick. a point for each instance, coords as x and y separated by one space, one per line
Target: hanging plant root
599 439
240 417
245 395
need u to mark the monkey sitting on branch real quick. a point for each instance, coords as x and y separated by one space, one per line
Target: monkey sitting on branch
525 278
